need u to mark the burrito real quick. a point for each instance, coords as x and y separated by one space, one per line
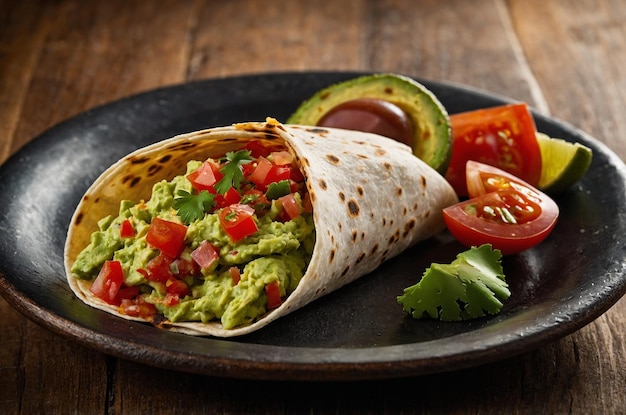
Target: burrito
220 232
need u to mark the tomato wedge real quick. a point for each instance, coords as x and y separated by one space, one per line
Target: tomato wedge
502 136
505 212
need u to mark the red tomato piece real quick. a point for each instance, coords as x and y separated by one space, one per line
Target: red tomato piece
258 149
290 205
126 293
502 136
256 199
235 274
205 176
273 295
238 221
277 174
184 268
506 212
126 229
137 307
166 236
261 170
177 287
108 282
159 269
205 255
230 197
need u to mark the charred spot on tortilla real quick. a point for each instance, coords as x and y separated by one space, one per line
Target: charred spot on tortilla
424 182
131 180
387 166
317 130
360 191
399 191
332 159
353 208
380 152
331 256
154 169
79 218
185 145
427 214
323 184
360 258
342 196
345 270
415 206
363 156
409 226
355 235
138 160
165 158
374 249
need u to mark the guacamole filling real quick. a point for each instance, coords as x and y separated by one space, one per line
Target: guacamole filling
227 241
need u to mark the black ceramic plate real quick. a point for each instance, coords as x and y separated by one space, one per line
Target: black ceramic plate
358 332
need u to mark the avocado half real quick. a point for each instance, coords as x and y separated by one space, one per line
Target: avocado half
432 141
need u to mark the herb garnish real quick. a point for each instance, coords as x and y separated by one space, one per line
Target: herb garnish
232 171
193 207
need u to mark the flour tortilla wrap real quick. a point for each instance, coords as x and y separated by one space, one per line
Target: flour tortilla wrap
371 197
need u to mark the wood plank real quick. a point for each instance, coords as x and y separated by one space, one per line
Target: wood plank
98 53
572 48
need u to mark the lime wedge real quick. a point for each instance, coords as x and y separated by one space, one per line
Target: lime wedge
563 163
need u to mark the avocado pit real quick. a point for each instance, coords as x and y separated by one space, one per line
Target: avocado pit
371 115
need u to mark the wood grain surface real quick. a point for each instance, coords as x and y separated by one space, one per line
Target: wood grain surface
59 58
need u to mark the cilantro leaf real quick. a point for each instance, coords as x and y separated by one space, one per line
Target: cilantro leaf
193 207
233 174
278 189
472 286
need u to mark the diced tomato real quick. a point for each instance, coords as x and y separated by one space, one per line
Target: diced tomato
230 197
166 236
137 307
126 229
502 136
277 174
258 149
296 175
184 268
506 212
159 269
262 169
177 287
273 295
108 282
256 199
205 176
206 255
290 205
127 293
238 221
235 274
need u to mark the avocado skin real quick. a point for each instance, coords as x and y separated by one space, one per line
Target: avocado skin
433 134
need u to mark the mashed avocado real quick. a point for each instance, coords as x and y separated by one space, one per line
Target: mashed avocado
232 289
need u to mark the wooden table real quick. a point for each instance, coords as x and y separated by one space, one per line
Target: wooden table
60 58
